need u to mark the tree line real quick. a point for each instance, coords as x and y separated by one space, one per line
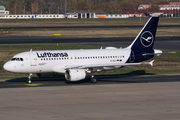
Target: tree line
58 6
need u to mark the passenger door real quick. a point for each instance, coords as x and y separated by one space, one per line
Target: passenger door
33 60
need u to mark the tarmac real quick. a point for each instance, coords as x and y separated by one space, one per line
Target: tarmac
138 97
168 43
136 101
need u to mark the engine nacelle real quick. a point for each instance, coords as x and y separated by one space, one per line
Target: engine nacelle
75 74
44 74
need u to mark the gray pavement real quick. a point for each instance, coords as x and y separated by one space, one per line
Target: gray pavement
59 80
168 43
137 101
76 27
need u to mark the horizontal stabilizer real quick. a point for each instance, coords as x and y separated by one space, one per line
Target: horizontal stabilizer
147 54
150 63
169 52
156 53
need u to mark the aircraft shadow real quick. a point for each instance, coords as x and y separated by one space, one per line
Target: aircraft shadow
138 76
61 77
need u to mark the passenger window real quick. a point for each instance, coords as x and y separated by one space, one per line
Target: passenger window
21 59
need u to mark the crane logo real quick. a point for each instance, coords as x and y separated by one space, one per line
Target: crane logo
146 38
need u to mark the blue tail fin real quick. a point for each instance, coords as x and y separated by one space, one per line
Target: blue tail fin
145 39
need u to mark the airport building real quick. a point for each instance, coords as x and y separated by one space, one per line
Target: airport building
148 13
2 10
91 14
170 6
144 7
81 14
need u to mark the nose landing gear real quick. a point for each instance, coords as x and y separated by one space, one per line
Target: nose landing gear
29 78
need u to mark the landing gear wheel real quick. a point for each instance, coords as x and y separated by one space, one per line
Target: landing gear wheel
93 80
29 79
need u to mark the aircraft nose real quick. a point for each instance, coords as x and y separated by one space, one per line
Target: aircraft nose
7 66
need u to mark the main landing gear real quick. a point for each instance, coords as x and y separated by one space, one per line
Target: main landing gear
92 79
29 78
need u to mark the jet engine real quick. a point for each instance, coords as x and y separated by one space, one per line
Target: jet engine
43 75
75 74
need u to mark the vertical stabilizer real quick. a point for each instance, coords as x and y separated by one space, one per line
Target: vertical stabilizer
145 39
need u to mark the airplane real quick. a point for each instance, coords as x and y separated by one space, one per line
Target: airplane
77 64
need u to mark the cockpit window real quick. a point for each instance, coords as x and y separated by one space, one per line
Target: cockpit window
17 59
13 59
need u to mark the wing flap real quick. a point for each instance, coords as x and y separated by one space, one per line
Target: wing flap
101 65
116 65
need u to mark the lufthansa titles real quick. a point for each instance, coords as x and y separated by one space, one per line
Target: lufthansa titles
49 54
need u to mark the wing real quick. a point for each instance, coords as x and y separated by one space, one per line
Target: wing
94 66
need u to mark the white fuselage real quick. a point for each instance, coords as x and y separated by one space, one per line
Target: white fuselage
59 60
